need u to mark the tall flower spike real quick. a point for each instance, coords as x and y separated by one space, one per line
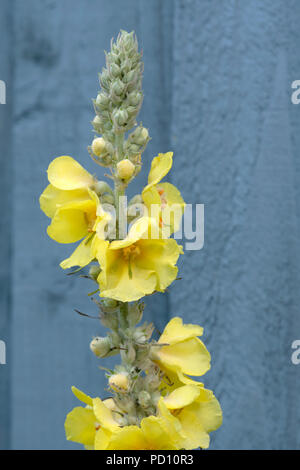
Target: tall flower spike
155 402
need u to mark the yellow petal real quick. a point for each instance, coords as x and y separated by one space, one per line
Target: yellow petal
80 426
187 380
137 231
159 256
189 357
104 415
66 173
52 198
174 380
199 418
160 166
176 331
82 255
128 438
122 282
82 396
171 194
102 439
99 249
208 410
160 433
71 221
181 397
192 427
151 196
173 209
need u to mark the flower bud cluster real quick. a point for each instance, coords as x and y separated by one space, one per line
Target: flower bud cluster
136 143
120 98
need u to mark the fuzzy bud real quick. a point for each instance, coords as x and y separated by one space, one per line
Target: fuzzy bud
94 272
119 382
115 70
107 199
140 136
98 146
135 313
110 303
137 199
100 346
118 87
102 101
125 169
97 124
102 187
144 399
120 117
135 98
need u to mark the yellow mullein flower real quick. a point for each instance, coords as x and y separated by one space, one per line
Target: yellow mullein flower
84 424
197 410
154 433
138 265
184 353
163 196
73 207
96 428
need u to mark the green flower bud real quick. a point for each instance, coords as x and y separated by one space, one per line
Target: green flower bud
120 117
115 70
97 124
110 303
113 58
107 199
102 101
130 76
131 354
104 160
132 111
135 312
94 272
110 320
125 66
102 187
134 148
100 346
118 87
137 199
110 148
140 136
144 399
139 336
134 98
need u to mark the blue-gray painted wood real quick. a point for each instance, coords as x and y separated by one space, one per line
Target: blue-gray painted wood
6 212
58 53
236 138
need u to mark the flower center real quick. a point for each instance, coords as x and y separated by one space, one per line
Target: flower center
90 219
97 426
163 198
130 252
